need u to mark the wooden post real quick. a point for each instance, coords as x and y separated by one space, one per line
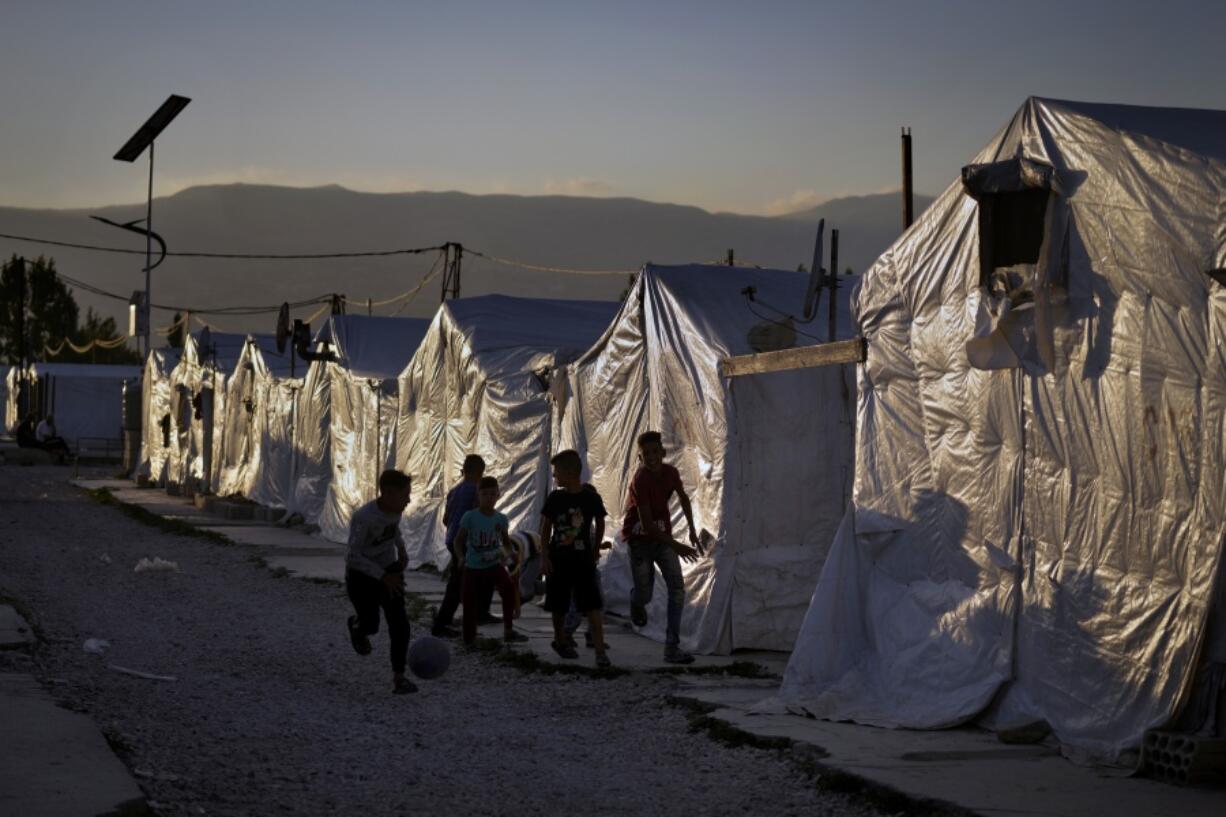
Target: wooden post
802 357
834 284
731 259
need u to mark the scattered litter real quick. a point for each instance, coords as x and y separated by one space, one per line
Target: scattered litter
137 673
96 646
105 558
156 563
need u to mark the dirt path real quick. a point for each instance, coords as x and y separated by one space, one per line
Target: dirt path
273 713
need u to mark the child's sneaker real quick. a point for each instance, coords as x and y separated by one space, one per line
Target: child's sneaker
563 649
404 687
443 631
675 655
513 637
638 615
602 661
361 644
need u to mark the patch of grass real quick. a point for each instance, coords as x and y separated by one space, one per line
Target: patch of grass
529 662
737 669
729 735
807 759
176 527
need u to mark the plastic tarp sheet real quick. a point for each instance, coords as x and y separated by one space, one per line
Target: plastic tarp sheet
1039 540
766 459
256 452
85 399
346 417
157 393
479 384
198 403
11 420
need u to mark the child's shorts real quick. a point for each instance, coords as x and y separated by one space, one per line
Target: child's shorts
574 575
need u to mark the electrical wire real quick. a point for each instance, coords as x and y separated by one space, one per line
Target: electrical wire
227 255
778 322
539 268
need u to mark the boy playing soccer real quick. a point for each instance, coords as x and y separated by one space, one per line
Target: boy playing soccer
648 530
460 499
481 542
374 573
572 525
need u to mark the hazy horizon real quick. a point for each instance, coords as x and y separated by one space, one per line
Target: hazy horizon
755 110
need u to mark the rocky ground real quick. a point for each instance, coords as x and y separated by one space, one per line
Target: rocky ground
271 711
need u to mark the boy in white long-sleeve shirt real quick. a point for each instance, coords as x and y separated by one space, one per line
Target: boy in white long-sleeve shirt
374 573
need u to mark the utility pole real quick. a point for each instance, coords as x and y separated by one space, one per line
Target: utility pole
731 258
452 261
834 283
908 206
22 390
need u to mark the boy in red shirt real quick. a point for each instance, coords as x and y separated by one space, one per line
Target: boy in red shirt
648 531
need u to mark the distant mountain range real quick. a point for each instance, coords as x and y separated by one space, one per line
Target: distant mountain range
553 231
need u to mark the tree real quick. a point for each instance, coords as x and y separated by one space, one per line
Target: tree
36 304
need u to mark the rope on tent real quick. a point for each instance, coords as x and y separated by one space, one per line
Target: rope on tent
430 275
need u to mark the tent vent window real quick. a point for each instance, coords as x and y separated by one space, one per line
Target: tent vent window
1013 199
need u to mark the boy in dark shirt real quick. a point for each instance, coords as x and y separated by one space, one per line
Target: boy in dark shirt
648 530
461 499
374 573
572 525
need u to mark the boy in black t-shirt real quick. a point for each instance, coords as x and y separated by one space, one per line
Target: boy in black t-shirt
572 526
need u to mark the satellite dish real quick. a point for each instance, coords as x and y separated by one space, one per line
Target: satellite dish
817 275
282 328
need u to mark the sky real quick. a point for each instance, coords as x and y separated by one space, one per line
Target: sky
752 107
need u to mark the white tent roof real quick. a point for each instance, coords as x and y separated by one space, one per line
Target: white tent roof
373 347
766 460
478 385
1038 538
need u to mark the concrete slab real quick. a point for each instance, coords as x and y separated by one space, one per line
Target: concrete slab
54 762
269 536
15 632
310 567
966 767
102 484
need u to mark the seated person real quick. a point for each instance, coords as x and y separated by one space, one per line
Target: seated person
48 439
25 433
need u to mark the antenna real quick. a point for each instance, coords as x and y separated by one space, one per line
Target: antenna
813 295
283 328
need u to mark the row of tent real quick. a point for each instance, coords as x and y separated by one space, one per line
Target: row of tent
85 399
1016 511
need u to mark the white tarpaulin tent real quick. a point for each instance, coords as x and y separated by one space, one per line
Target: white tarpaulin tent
479 385
256 449
1036 536
10 399
86 399
157 423
346 417
198 404
765 459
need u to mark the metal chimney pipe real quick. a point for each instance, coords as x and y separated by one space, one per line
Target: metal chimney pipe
908 204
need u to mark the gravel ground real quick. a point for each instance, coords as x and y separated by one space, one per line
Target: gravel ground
272 712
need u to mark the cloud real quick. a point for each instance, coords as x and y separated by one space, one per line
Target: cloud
580 186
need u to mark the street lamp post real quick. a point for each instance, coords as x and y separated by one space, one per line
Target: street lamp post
135 146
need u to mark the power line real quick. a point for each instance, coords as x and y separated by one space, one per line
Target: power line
227 255
538 268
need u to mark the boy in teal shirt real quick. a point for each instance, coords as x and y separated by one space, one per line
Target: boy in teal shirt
483 541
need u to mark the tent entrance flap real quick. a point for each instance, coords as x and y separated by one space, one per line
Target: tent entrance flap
1013 198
